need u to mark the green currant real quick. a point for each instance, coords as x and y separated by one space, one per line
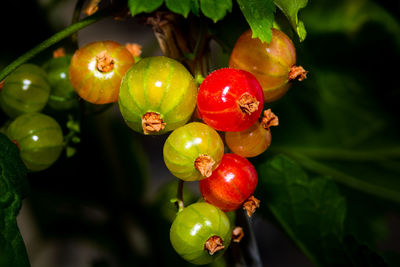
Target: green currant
25 90
201 233
39 138
62 94
193 151
157 95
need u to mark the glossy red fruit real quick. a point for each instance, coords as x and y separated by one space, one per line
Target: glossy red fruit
231 184
97 69
230 100
272 63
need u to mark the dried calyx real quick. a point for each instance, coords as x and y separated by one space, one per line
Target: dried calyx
152 123
59 52
237 234
248 103
269 119
214 244
297 72
204 164
134 48
105 62
251 205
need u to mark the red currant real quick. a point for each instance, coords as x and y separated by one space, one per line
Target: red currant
201 233
273 64
230 100
231 184
97 69
158 95
193 151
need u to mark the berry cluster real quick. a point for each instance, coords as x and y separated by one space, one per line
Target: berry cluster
157 95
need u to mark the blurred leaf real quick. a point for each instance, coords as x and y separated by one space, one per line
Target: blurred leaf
179 6
194 7
215 9
260 16
13 187
348 17
312 212
139 6
290 8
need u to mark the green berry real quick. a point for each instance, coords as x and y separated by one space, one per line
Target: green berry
62 94
195 227
193 151
39 138
25 90
157 95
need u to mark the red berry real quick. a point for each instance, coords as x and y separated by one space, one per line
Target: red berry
230 100
231 184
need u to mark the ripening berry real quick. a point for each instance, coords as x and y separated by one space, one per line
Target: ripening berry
273 64
158 95
97 69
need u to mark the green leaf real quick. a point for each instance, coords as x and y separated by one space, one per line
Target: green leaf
312 212
179 6
290 8
13 187
260 16
215 9
139 6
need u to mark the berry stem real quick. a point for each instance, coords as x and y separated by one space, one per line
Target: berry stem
75 18
179 196
52 40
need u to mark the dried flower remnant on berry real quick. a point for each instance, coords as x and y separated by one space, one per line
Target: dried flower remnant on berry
251 205
1 84
237 234
134 48
297 72
152 123
204 164
59 52
105 63
92 7
213 245
248 103
269 119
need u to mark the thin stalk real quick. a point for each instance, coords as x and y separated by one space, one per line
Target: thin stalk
52 40
75 18
179 196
